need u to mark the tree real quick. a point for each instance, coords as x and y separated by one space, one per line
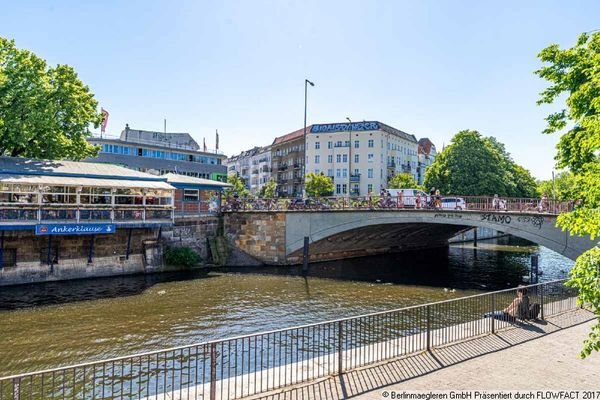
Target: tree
267 191
318 185
478 166
403 181
563 187
45 112
574 73
239 187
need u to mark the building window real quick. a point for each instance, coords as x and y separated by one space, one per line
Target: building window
370 157
356 172
356 158
345 158
317 171
330 158
338 158
338 173
317 145
329 145
371 143
356 144
338 188
330 172
317 159
190 195
370 173
345 172
344 188
370 188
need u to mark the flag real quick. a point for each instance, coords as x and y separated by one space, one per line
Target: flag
104 120
204 144
217 133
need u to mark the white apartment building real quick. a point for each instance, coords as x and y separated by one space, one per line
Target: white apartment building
253 166
360 157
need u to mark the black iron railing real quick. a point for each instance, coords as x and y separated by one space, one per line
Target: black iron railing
258 363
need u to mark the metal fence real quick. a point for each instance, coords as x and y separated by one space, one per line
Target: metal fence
457 203
258 363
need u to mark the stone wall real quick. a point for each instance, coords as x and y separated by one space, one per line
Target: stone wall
192 231
69 256
260 234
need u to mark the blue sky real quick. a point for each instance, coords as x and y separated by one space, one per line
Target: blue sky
430 68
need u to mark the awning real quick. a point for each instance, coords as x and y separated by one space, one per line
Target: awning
50 180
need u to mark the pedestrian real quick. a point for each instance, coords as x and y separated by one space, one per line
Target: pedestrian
438 199
496 202
519 308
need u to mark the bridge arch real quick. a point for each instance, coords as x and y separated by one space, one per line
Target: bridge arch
343 232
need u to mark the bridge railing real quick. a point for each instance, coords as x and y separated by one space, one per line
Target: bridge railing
253 364
459 203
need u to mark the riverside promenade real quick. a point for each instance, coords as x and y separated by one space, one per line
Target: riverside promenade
540 355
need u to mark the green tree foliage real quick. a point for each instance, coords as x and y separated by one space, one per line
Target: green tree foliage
45 112
478 166
574 74
267 191
563 188
318 185
403 181
239 187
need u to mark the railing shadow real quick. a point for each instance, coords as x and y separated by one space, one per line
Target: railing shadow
373 377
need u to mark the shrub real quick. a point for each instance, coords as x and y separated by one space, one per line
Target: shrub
183 256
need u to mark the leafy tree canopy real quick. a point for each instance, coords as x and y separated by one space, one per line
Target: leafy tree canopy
563 187
318 185
403 181
267 191
239 187
574 73
478 166
45 112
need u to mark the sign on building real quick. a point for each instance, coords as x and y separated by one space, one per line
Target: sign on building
74 229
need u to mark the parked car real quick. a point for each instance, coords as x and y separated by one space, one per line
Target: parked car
454 203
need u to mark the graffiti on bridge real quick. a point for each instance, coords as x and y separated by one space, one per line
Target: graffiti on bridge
499 219
535 220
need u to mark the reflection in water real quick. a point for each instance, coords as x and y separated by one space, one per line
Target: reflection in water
139 313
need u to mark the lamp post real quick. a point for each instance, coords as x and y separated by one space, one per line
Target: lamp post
306 83
349 157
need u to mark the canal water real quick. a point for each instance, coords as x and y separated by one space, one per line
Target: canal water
55 324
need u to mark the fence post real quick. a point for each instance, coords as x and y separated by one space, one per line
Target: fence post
213 371
542 302
493 310
16 388
340 347
428 327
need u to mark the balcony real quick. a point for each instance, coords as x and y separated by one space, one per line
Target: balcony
297 166
265 169
355 178
391 165
282 167
341 145
406 168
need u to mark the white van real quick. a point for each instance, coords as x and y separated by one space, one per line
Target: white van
409 196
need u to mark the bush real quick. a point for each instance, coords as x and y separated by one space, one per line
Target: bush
183 256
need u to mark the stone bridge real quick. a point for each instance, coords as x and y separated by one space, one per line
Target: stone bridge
277 237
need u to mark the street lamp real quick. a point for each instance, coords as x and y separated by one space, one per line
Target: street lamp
349 157
306 83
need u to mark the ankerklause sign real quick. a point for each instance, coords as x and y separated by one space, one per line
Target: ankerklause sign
74 229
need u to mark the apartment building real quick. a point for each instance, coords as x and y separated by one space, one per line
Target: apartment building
287 160
360 157
253 166
427 153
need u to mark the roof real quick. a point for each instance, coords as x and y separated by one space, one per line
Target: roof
425 146
179 180
53 180
291 136
28 166
159 138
